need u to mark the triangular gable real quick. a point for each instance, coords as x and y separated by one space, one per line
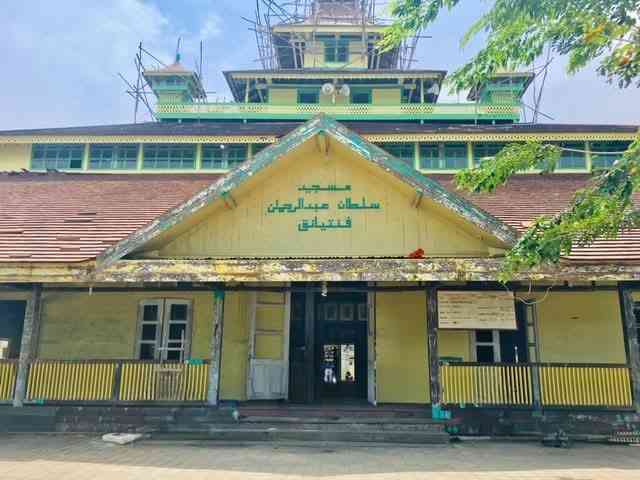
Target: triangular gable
319 127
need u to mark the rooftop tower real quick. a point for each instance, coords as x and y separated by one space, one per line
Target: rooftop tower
322 56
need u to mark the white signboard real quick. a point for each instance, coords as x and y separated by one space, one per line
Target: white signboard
476 310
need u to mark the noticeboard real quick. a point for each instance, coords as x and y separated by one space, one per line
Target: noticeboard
477 310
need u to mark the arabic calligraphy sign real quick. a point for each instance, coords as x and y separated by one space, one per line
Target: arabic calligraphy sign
304 205
476 310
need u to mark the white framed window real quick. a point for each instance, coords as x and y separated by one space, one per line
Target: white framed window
164 330
486 346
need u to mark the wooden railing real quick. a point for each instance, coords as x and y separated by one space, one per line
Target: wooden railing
118 381
585 385
8 373
560 385
416 111
169 382
495 384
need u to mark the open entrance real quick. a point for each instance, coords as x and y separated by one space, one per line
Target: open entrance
329 346
341 346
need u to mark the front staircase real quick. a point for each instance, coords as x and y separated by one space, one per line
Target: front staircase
238 423
360 424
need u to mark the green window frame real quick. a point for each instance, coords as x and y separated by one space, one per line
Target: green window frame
402 151
57 156
169 156
482 151
336 50
308 95
599 161
572 160
430 156
361 96
113 157
222 157
456 156
447 156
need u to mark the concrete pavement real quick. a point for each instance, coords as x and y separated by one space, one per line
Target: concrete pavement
74 457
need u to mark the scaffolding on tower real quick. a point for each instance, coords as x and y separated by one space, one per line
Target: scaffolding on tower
270 16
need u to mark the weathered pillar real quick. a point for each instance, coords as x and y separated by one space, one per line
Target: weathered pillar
310 358
633 346
432 337
29 344
213 392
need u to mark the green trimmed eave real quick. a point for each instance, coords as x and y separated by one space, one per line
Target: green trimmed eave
319 125
235 77
483 117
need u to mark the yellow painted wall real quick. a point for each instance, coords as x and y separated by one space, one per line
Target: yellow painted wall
14 157
386 96
283 96
581 327
453 343
235 347
401 348
397 229
77 325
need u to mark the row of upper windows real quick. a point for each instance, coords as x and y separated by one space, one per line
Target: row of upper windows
456 156
163 156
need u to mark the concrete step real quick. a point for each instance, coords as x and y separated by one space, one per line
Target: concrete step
359 427
305 435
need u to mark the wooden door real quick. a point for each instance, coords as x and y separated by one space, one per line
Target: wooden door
300 373
268 377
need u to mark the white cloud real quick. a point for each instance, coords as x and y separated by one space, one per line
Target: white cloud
64 58
211 27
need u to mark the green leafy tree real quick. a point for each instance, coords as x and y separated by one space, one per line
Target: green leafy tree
517 33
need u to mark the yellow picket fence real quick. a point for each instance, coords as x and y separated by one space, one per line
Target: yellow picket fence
486 384
8 373
114 381
588 386
600 386
71 381
167 382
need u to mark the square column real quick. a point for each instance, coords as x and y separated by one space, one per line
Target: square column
213 393
29 344
633 347
432 338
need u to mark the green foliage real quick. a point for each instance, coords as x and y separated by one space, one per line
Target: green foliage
517 33
601 210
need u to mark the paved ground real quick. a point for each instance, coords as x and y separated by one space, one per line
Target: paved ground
81 457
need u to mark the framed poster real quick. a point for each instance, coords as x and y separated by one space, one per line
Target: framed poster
477 310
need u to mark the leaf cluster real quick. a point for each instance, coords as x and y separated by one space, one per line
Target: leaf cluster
518 31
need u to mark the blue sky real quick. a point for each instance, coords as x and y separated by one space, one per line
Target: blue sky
60 59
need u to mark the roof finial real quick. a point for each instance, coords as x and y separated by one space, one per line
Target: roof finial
178 56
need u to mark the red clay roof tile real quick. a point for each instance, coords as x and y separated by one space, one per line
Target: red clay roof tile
58 217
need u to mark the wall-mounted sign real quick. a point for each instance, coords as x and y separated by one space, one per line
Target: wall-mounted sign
476 310
346 207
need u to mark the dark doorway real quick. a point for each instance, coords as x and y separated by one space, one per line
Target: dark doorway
513 343
300 376
328 347
11 324
341 346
